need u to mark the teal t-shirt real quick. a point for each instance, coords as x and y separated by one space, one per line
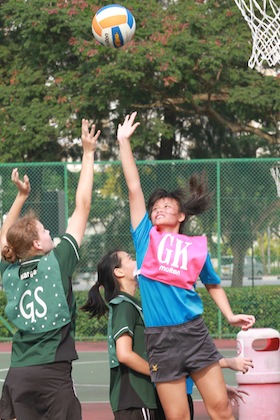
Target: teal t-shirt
41 304
128 389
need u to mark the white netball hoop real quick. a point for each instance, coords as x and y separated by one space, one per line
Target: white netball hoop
263 18
275 172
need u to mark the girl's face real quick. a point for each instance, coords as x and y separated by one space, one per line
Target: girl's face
166 215
128 265
44 242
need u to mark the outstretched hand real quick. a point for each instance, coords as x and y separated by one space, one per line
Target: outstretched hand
240 364
243 321
23 186
128 127
234 395
89 137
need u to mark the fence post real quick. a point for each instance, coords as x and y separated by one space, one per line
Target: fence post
218 194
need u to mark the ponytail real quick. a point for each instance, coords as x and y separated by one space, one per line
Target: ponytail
8 254
96 305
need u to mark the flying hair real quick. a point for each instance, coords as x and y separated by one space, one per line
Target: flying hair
192 201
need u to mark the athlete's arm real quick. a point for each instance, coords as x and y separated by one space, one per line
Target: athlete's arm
14 213
241 364
135 193
78 221
219 296
128 357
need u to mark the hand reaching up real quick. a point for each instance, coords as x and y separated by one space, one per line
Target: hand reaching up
128 127
23 186
89 137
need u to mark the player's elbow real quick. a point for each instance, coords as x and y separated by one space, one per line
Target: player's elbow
123 357
83 207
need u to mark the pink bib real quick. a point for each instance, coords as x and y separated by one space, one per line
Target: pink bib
174 259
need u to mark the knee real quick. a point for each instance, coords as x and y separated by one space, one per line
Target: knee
177 415
221 410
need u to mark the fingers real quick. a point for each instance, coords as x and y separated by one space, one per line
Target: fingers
15 175
244 364
240 391
89 136
92 133
251 319
247 365
128 127
22 185
247 326
124 130
131 117
234 401
85 128
248 318
236 396
26 179
244 321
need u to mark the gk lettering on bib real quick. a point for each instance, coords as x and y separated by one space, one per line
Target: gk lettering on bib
174 259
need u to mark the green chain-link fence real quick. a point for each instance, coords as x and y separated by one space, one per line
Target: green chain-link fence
243 225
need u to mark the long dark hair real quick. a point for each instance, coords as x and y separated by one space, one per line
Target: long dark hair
95 304
192 202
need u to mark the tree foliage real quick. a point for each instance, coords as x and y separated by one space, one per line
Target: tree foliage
185 72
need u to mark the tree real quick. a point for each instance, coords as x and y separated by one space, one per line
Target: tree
247 208
186 65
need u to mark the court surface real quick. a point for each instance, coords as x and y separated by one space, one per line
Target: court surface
91 378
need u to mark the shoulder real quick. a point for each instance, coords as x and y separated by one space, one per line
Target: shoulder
67 245
141 233
143 225
4 265
123 306
125 310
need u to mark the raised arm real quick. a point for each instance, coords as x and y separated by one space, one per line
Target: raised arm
219 296
135 193
23 187
77 223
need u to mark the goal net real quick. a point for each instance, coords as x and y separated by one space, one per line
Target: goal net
263 18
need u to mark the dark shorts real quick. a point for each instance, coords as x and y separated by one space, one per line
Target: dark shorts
138 414
43 392
177 351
